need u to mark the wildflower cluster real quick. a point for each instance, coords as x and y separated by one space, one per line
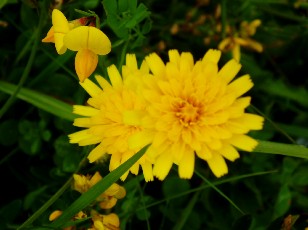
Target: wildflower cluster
183 109
235 40
105 201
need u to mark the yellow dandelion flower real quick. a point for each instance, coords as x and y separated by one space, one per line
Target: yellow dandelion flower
193 109
102 117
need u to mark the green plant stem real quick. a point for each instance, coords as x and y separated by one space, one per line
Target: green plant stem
186 212
205 186
123 54
290 150
274 125
42 209
219 191
28 67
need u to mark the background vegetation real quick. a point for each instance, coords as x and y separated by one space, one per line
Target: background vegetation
264 191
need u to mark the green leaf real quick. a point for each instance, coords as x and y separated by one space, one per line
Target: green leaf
42 101
8 132
110 6
283 201
10 211
174 185
3 3
291 150
88 197
279 88
123 5
32 197
244 222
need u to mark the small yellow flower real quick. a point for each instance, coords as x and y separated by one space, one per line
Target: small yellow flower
55 214
233 43
103 117
105 222
88 41
193 109
60 27
107 199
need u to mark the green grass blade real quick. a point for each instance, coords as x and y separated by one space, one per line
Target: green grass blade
290 150
42 101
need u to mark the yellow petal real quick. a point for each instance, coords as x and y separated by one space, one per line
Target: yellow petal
236 52
78 136
204 153
174 56
87 37
85 63
59 22
97 153
187 165
103 82
108 203
240 41
121 193
91 88
147 171
212 56
229 152
229 70
98 42
115 77
50 36
98 225
60 27
112 219
240 86
162 166
60 47
218 165
131 117
255 45
225 44
85 110
95 178
54 215
250 121
139 140
155 63
243 142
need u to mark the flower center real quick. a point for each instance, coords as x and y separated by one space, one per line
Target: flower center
187 111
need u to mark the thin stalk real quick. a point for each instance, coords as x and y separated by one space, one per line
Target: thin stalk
42 209
219 191
28 67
